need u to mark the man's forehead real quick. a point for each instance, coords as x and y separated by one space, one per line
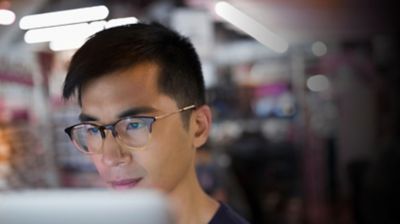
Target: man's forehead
138 70
144 75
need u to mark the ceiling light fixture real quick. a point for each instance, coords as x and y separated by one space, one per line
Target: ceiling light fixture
251 27
64 17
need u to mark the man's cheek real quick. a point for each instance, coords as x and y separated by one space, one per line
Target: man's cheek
96 160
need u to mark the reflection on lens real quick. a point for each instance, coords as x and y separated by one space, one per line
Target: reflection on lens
133 132
87 138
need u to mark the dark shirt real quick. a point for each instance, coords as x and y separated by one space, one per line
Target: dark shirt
226 215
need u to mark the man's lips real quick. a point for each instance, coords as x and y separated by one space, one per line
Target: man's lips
125 183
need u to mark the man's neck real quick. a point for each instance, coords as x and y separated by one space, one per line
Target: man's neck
191 203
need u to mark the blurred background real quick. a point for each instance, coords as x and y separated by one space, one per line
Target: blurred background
304 96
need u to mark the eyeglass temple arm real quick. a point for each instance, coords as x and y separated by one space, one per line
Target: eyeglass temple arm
178 111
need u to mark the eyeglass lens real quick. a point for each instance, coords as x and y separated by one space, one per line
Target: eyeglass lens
133 132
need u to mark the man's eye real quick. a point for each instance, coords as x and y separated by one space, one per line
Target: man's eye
93 131
134 125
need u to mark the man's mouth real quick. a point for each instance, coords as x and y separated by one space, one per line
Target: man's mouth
125 183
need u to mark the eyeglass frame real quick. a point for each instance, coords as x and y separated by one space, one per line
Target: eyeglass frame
149 121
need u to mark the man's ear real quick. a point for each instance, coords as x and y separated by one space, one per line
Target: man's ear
201 125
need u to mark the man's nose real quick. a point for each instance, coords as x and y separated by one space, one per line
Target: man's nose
112 153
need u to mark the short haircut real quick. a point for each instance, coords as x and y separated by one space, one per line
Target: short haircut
120 48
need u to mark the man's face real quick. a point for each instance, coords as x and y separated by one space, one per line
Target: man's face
167 158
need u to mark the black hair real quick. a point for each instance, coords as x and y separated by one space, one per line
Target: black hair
122 47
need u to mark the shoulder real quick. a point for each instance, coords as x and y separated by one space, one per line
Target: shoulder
226 214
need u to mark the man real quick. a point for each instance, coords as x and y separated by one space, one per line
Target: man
142 96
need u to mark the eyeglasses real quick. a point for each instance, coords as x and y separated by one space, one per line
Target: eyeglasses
133 132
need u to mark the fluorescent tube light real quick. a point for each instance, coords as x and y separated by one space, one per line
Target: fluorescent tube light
63 17
121 21
66 44
251 27
74 31
63 44
56 33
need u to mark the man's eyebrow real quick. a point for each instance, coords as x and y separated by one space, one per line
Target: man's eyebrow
85 117
136 111
129 112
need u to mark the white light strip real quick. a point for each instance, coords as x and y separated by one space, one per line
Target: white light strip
121 21
7 17
74 31
55 33
94 27
66 44
73 36
64 17
251 27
